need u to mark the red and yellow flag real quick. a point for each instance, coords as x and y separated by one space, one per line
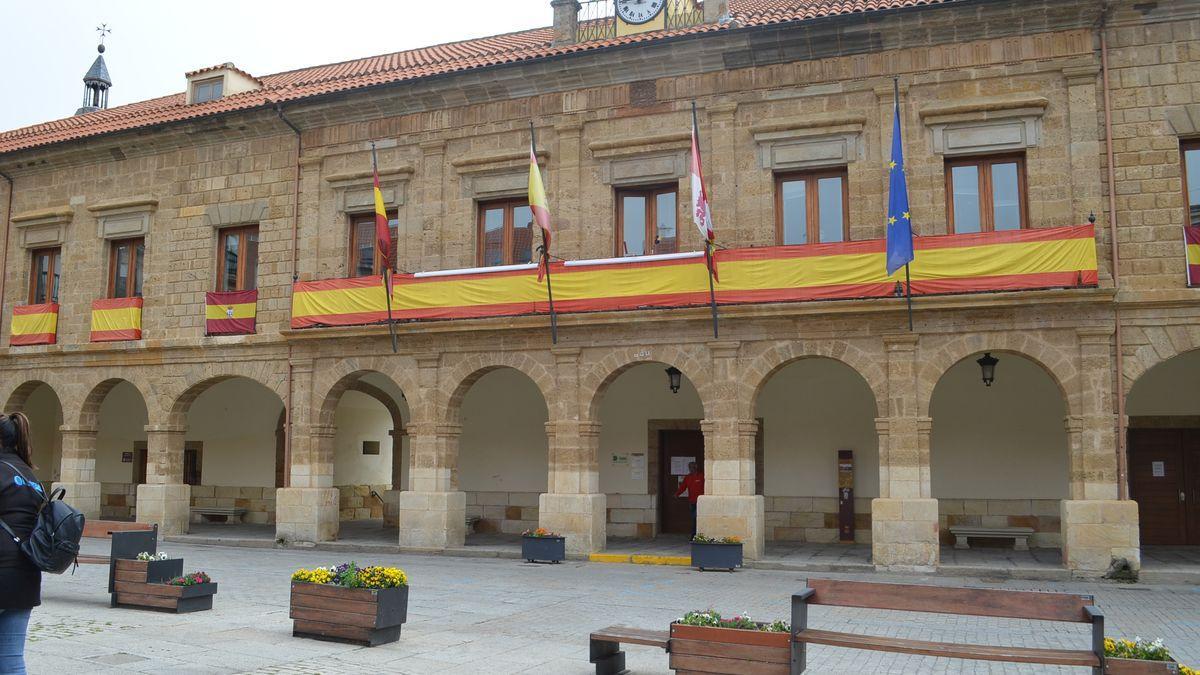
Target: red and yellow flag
116 319
539 206
34 325
383 234
230 313
1192 236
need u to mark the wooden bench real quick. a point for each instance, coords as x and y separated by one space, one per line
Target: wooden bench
942 600
1019 535
103 529
227 514
605 646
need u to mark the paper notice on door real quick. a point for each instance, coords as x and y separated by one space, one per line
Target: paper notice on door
1158 469
679 465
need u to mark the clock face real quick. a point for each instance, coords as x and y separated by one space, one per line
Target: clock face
639 11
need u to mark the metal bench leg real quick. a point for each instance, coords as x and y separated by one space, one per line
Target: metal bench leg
799 623
607 656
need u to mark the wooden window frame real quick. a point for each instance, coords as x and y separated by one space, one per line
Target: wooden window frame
357 219
812 203
1192 144
651 194
986 204
242 231
55 253
510 206
134 262
211 83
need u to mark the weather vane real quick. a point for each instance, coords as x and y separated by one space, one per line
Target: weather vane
103 30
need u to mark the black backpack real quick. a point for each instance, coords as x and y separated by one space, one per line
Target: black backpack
53 544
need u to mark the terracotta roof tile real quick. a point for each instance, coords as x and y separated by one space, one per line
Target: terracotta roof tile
409 65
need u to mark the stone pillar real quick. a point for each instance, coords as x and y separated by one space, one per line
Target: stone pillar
391 498
729 506
1096 527
307 511
569 241
566 21
431 253
78 471
721 169
165 499
1087 190
904 519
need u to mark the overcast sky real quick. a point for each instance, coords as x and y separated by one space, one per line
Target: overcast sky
44 54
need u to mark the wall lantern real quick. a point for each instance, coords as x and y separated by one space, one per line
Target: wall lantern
675 375
987 364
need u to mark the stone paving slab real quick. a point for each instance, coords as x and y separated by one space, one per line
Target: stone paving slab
495 616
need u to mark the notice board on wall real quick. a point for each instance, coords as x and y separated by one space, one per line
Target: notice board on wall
846 496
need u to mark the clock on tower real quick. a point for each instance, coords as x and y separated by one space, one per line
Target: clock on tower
639 12
640 16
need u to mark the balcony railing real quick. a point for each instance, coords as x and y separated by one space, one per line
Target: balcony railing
34 325
967 263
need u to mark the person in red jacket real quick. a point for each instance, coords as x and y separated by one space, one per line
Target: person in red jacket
693 485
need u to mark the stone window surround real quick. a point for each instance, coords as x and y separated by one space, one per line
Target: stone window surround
497 176
44 228
125 218
821 141
354 191
985 125
230 214
642 160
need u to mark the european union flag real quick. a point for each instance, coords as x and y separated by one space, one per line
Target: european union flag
899 223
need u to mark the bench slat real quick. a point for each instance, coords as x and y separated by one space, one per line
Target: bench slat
105 528
943 600
636 636
1060 657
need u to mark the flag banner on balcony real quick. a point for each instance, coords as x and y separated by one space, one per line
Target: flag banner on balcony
964 263
34 325
1192 236
230 312
116 319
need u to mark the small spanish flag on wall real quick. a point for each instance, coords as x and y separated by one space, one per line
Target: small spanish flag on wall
34 325
1192 236
116 319
230 313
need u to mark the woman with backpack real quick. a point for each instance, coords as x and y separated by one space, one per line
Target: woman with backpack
20 498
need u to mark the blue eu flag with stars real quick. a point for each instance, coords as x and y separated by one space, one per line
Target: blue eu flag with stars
899 222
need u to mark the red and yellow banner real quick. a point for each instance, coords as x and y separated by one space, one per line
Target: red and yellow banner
34 325
116 319
230 313
968 263
1191 236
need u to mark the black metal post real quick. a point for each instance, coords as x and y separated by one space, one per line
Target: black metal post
908 295
712 293
549 292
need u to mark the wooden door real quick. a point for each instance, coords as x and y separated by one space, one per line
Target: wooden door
676 450
139 464
1156 482
1190 442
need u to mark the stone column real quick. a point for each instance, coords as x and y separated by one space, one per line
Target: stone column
729 506
721 167
1097 528
307 510
78 471
391 513
1087 191
431 253
165 499
433 513
904 519
568 233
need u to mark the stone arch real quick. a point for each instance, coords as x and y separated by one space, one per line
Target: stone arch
346 373
595 381
89 408
761 367
172 408
15 395
1059 361
1150 346
458 378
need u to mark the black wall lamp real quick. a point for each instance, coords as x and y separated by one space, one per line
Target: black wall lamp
987 364
675 376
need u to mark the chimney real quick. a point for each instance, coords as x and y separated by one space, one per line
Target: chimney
714 10
566 21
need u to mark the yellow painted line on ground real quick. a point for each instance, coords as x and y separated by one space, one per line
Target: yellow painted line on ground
610 557
661 560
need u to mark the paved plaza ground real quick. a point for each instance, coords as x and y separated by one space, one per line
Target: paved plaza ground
498 615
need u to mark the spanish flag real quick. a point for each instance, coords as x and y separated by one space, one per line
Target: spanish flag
34 325
116 319
1192 237
230 313
383 234
539 206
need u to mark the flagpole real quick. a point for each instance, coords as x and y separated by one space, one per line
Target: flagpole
708 250
908 294
545 251
387 269
907 278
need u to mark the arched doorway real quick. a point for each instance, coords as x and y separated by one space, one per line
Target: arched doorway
41 404
999 454
1164 451
121 420
370 455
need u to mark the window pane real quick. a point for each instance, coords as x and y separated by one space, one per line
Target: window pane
493 237
251 264
55 265
121 276
364 248
140 250
664 224
42 264
633 224
965 184
232 251
1192 162
522 241
1006 197
829 208
795 212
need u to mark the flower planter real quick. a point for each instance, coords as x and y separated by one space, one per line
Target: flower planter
1117 666
362 616
140 584
544 549
728 650
148 571
716 556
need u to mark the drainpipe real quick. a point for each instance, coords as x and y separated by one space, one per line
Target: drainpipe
7 227
1122 456
287 437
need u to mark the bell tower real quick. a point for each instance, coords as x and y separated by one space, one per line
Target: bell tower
96 82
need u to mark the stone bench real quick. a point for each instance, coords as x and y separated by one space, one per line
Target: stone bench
1019 535
211 514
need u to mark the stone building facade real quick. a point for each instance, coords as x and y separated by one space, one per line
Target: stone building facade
1041 81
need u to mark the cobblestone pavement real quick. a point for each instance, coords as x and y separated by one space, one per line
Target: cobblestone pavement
498 616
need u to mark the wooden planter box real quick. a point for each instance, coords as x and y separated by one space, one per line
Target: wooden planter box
140 583
1139 667
727 650
363 616
544 549
716 556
